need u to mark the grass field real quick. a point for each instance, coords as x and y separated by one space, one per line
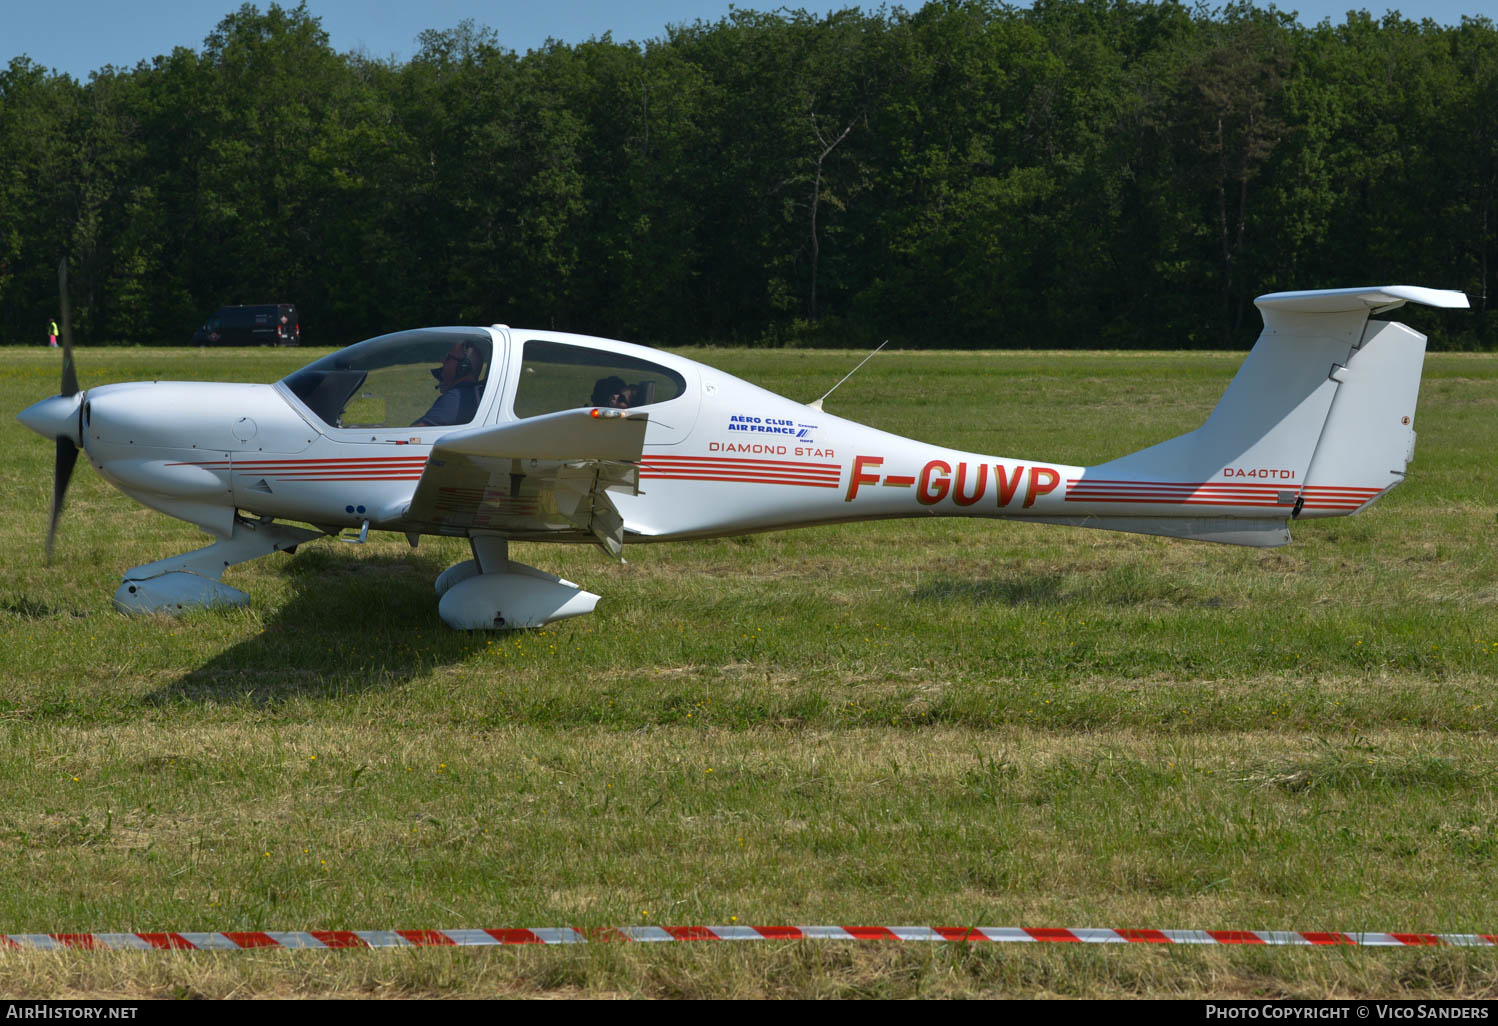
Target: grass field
924 722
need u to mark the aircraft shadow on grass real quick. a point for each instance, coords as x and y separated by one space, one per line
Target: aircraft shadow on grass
1121 587
352 624
28 608
1017 589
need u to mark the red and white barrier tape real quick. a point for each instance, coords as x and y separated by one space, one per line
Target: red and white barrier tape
240 941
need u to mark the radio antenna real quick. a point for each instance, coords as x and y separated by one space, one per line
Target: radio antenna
818 404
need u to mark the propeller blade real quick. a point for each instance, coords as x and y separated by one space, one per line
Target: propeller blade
67 456
67 452
69 375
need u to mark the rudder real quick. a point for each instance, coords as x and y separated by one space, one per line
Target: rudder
1369 435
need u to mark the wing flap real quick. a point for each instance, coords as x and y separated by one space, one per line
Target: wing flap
544 477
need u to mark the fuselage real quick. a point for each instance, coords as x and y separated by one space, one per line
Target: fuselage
341 448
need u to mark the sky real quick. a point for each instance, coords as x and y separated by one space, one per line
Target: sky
79 36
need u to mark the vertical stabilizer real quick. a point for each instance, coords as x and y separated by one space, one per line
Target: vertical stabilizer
1317 422
1269 419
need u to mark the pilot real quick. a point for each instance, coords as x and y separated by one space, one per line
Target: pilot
458 382
612 391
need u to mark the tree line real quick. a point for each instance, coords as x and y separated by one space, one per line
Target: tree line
1083 173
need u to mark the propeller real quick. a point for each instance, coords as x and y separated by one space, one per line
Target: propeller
67 451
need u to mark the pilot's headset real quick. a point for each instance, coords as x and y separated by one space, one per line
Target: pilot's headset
465 368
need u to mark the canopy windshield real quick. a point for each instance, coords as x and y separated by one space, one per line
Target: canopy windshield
423 378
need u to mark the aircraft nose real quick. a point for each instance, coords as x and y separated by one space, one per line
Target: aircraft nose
55 418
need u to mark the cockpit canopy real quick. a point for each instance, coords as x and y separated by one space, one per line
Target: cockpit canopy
426 377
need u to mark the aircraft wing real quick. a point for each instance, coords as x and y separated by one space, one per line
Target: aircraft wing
536 478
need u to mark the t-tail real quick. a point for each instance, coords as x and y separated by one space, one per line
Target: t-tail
1318 422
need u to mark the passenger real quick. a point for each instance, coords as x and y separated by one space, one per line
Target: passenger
612 391
458 383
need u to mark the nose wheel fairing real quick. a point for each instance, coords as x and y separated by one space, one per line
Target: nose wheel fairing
193 580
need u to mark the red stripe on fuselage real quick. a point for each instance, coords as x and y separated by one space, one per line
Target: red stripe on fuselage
741 480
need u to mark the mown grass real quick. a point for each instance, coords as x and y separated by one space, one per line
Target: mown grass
928 722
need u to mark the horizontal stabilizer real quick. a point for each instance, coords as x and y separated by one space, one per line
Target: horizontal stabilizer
1306 313
1362 299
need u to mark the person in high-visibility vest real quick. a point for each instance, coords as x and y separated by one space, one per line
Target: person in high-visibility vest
52 334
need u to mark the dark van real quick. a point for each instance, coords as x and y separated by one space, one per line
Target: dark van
263 325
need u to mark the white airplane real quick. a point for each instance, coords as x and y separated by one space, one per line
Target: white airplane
500 433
